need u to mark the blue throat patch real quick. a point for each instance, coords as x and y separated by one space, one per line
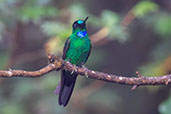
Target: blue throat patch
82 33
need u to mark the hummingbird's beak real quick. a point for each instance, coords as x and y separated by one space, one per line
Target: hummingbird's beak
85 19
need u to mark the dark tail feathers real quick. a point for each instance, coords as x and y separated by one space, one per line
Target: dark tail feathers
67 86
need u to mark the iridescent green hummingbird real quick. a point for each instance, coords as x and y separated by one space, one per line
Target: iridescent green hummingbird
76 50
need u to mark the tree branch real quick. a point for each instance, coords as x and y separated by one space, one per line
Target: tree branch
56 63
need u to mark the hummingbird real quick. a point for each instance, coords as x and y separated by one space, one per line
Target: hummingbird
76 50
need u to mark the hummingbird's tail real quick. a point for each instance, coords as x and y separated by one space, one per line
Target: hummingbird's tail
67 86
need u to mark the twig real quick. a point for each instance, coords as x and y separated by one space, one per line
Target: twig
135 86
130 16
57 64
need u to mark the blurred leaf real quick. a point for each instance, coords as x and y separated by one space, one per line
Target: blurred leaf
144 7
112 21
163 25
164 108
35 13
109 18
54 28
118 33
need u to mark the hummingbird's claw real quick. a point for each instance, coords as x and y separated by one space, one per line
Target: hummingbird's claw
68 62
86 74
74 70
9 69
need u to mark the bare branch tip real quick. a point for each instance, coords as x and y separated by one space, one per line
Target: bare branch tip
138 74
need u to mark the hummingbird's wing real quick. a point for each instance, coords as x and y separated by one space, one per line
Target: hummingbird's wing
66 47
67 80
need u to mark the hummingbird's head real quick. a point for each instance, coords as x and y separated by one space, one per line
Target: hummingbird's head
80 24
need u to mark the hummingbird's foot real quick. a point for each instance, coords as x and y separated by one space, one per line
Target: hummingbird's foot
68 62
9 69
74 70
86 73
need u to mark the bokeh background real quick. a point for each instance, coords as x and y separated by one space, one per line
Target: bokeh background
127 35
